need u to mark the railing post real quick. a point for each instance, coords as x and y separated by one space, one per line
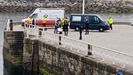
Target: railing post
89 49
59 39
11 25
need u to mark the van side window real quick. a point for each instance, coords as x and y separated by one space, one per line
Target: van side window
94 19
76 18
86 18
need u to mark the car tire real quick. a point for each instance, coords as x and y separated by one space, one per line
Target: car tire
101 29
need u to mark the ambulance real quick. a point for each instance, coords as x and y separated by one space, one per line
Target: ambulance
45 16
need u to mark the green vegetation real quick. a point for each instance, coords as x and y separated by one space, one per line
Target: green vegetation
45 71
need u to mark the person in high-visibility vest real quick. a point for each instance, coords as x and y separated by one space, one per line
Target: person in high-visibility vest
62 22
65 26
110 22
44 20
29 20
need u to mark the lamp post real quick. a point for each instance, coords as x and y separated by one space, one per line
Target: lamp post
83 7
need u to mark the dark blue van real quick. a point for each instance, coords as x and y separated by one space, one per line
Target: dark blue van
95 23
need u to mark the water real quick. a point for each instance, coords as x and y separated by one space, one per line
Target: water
19 16
3 20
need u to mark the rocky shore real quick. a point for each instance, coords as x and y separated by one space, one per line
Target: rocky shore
95 6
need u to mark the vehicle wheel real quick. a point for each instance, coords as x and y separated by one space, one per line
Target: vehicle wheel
101 29
77 29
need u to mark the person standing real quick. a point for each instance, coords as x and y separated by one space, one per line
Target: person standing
57 24
86 26
65 26
44 18
110 22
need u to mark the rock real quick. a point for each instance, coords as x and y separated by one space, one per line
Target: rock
114 6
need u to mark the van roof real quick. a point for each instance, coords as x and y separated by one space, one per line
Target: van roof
89 15
86 14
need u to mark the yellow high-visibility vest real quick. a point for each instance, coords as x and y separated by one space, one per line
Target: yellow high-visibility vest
29 20
44 19
110 21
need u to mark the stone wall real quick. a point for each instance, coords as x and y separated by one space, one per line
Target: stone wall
62 62
13 53
33 56
71 6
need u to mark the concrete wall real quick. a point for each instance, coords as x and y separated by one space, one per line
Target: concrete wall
33 56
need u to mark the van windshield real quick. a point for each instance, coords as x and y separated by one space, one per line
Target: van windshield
34 15
94 19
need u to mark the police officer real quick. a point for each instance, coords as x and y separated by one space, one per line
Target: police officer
110 22
65 26
44 18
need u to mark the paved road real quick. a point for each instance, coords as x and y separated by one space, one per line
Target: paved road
120 40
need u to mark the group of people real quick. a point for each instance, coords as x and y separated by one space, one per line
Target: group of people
62 24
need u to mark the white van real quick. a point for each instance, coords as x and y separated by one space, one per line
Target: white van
51 15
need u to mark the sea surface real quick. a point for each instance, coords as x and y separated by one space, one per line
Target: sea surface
19 16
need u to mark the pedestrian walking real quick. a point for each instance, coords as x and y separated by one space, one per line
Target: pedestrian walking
110 22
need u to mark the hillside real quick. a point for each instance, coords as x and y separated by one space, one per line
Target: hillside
113 6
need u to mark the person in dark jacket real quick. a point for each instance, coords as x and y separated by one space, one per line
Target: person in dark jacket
65 26
57 24
86 26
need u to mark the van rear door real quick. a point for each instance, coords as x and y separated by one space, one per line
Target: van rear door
75 21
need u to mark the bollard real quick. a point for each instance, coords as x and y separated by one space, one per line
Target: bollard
33 26
11 25
8 25
59 40
23 24
80 32
30 26
26 25
40 33
89 49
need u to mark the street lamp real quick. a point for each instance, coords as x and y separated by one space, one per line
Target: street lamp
83 7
